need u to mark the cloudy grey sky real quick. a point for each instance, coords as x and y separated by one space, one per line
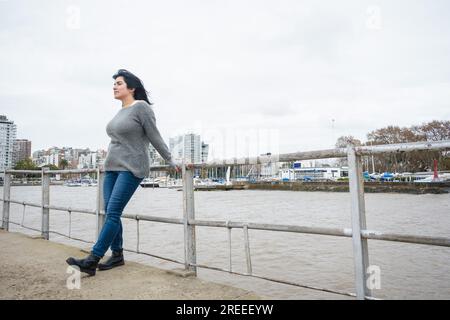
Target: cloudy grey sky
219 68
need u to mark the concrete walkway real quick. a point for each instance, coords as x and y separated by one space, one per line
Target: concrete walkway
36 269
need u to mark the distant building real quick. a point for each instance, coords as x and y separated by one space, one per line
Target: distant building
76 158
270 170
101 156
53 159
8 132
52 156
205 151
188 147
313 173
66 153
87 161
22 150
39 158
80 158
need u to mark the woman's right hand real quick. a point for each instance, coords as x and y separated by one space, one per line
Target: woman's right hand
175 165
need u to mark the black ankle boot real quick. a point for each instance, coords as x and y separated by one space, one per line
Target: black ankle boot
114 261
88 264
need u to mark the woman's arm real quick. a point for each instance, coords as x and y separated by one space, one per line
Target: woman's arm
148 120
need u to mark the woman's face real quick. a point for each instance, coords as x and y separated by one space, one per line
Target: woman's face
120 89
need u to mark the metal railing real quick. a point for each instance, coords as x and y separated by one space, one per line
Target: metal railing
358 232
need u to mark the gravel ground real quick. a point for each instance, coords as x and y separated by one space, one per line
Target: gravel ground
32 268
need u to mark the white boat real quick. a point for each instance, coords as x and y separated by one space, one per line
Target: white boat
149 183
161 181
80 183
228 182
72 183
431 179
176 184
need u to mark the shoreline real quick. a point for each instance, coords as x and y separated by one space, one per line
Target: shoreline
322 186
369 187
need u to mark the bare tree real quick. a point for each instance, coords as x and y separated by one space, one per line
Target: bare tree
416 160
342 142
434 130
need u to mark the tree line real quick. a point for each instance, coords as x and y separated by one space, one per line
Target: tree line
28 164
415 161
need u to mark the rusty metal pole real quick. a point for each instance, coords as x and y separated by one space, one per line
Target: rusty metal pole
360 248
188 214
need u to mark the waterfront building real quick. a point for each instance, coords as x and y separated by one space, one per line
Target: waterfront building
313 173
8 132
22 150
187 147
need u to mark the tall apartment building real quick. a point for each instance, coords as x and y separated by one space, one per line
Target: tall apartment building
188 147
8 132
87 161
52 158
22 150
205 150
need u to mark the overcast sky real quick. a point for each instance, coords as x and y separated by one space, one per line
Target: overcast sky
283 69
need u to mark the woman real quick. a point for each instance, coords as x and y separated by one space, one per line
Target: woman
126 165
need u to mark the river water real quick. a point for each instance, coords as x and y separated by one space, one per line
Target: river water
408 271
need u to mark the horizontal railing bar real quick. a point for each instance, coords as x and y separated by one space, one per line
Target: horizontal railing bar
80 210
70 237
37 172
274 227
276 280
159 168
71 171
30 204
93 212
23 226
407 238
155 256
153 218
53 207
403 147
306 155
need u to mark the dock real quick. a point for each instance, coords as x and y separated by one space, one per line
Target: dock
33 268
369 187
221 187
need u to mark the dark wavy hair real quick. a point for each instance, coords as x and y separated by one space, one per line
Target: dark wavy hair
135 83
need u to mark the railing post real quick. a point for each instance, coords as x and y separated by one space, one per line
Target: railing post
229 245
248 257
6 198
188 214
360 248
45 178
100 202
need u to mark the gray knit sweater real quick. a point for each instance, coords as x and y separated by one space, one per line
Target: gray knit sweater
131 130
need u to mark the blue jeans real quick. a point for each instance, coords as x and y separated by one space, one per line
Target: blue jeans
118 188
